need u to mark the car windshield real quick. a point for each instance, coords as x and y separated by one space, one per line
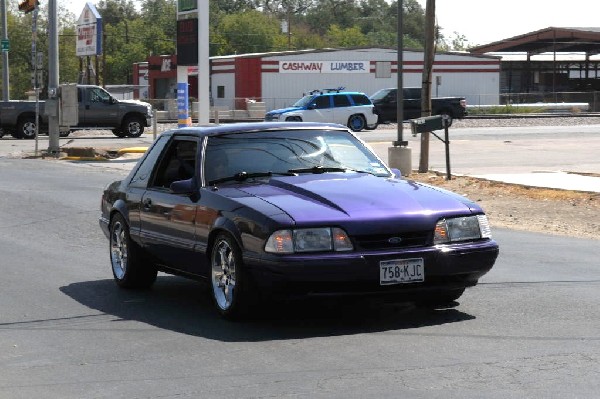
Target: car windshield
285 152
304 101
380 94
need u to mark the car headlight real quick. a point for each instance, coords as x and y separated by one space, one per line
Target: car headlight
462 229
308 240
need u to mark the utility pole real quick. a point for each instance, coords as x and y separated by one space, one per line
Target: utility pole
428 57
51 106
5 75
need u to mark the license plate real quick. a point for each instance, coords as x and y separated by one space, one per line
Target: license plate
400 271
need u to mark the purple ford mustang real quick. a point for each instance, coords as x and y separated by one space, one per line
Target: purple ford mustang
263 209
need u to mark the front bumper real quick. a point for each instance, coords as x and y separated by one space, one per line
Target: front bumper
340 274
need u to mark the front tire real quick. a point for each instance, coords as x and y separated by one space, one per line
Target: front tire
293 119
130 267
357 123
230 283
133 126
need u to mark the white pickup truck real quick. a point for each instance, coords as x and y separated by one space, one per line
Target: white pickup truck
97 109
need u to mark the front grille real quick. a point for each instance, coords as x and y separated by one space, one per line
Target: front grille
391 241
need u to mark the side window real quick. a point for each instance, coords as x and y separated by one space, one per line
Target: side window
360 99
94 97
143 172
178 163
341 100
322 102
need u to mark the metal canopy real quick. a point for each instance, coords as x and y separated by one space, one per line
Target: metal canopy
554 40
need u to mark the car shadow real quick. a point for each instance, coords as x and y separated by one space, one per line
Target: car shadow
184 306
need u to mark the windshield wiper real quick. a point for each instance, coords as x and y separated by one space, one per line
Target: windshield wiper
325 169
318 169
242 176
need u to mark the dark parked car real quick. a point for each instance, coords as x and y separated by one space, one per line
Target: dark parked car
265 209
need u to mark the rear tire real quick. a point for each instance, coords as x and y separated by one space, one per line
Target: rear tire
130 265
357 123
26 128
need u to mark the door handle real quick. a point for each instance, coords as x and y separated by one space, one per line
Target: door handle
146 204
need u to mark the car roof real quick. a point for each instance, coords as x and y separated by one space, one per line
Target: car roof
341 92
246 127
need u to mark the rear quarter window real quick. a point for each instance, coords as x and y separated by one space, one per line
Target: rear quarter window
359 99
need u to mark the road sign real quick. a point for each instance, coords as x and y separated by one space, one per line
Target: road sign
5 45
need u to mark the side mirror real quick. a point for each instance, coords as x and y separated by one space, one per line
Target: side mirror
397 173
113 100
186 186
311 106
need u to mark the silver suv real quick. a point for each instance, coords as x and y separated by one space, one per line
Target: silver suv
352 109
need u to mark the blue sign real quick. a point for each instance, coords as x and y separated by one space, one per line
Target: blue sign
183 108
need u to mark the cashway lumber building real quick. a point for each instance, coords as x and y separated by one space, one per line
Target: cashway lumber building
281 78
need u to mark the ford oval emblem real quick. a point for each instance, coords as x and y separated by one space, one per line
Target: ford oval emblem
395 240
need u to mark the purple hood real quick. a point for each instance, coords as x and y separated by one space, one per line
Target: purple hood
351 199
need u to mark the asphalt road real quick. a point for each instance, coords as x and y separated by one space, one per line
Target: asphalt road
531 329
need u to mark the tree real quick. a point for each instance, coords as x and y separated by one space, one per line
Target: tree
348 37
248 32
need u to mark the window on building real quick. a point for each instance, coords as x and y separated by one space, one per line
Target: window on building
383 69
220 91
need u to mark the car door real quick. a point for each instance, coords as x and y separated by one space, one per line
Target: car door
97 108
167 219
342 109
319 110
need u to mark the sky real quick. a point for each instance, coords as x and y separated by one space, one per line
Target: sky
487 21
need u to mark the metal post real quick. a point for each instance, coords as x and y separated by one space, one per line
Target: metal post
5 74
447 144
36 84
154 125
53 128
399 156
399 79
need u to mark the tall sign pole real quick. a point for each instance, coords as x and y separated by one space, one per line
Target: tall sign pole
193 50
399 156
428 58
203 63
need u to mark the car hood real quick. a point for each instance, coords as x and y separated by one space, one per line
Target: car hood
283 110
135 102
352 199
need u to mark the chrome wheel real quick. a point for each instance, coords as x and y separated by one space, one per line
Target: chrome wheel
133 127
26 128
118 250
131 266
223 264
